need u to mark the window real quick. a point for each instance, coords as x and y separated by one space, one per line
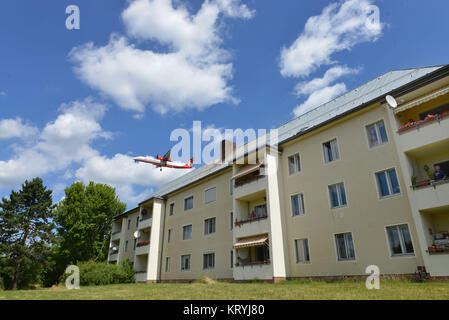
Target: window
137 222
302 251
172 207
188 203
187 232
169 236
209 260
388 183
135 242
345 246
294 164
260 211
167 264
185 262
298 205
231 189
231 217
337 195
210 195
209 226
330 149
232 259
129 223
126 245
377 134
400 240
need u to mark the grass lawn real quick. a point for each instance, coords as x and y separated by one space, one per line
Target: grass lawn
311 290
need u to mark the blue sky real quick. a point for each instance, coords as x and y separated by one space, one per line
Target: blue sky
70 111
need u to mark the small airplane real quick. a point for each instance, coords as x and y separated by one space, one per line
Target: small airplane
164 161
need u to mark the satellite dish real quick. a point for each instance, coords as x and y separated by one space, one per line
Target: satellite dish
114 249
137 234
144 212
243 253
391 101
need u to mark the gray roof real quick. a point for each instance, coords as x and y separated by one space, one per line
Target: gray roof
378 87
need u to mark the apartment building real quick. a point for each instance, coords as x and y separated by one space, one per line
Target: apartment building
349 184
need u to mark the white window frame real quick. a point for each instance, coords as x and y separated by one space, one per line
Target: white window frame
302 211
378 135
401 240
390 187
333 153
205 191
346 246
338 195
295 243
207 253
191 233
297 162
215 225
193 202
190 262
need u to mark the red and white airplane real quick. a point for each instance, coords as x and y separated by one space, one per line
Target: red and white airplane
165 161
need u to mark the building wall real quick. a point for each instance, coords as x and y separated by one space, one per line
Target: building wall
219 242
365 214
128 235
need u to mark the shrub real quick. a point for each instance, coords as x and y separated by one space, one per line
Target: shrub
101 273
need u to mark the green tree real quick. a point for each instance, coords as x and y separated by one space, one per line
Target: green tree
26 233
84 221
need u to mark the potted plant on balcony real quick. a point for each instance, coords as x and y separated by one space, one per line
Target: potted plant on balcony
414 179
429 172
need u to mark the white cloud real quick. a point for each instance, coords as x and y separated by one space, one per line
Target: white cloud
3 93
61 142
320 97
15 128
334 73
67 142
193 74
340 26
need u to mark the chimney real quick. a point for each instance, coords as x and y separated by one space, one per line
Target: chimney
227 148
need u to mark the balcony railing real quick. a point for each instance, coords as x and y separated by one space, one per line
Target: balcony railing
426 183
142 244
145 218
116 232
434 250
248 179
428 120
249 220
253 263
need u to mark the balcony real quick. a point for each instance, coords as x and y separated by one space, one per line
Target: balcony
113 256
417 134
115 235
145 223
142 247
140 276
251 221
249 180
431 194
